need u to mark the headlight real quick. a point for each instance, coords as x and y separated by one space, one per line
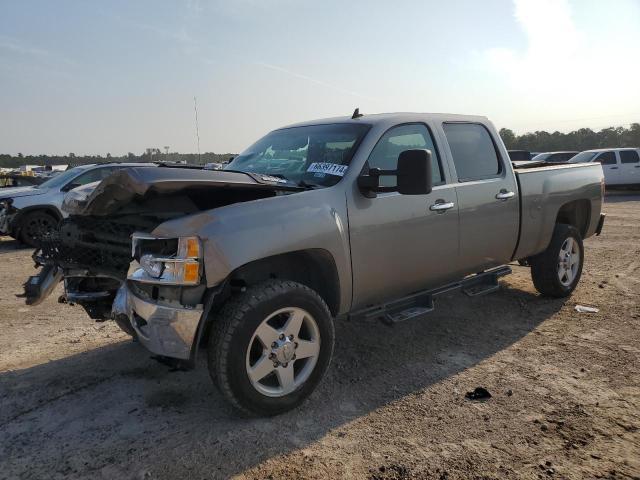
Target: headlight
151 265
173 261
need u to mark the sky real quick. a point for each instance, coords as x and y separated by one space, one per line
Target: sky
121 76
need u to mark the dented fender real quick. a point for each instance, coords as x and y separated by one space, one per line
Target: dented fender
235 235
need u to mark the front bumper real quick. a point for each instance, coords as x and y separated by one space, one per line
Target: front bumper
165 330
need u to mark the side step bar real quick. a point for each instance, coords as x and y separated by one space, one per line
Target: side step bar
420 303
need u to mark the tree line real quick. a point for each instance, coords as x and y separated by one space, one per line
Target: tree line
578 140
150 155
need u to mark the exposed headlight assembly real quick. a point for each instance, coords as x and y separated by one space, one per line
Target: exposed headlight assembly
174 261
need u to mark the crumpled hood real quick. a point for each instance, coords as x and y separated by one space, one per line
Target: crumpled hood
21 192
134 185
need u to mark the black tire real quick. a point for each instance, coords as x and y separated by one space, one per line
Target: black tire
545 265
34 226
230 339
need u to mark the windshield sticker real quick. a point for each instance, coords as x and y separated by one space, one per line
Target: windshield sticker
269 178
330 168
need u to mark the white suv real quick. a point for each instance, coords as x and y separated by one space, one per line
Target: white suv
28 213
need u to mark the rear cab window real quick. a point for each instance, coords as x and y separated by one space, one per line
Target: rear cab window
474 152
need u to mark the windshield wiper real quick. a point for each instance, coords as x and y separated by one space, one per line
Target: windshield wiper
310 186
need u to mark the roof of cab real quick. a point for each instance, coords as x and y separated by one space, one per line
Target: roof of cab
387 118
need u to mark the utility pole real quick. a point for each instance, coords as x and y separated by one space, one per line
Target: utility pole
195 108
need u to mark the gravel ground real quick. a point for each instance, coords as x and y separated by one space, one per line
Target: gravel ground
80 400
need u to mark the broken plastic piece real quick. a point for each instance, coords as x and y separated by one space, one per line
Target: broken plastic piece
480 393
585 309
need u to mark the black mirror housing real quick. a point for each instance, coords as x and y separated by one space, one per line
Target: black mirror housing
413 175
414 172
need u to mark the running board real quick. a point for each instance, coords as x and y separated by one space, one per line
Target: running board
420 303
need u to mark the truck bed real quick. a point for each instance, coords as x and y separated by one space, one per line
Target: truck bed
547 190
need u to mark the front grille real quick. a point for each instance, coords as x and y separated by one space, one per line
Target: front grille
93 243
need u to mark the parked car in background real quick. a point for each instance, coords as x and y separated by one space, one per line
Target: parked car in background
360 216
554 157
621 166
12 180
29 212
519 155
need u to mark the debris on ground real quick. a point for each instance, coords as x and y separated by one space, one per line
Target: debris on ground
586 309
480 393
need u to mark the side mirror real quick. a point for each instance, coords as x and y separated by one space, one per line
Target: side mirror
413 175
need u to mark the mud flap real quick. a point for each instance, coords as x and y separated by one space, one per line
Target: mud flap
38 287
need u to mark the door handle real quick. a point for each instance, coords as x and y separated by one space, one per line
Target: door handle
504 195
613 168
441 206
637 166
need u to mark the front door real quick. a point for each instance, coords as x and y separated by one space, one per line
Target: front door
610 167
403 243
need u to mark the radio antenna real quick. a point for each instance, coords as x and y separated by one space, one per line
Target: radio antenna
195 109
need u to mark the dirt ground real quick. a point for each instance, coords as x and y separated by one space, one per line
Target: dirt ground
80 400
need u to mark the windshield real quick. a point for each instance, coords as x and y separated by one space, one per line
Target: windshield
583 157
60 179
317 155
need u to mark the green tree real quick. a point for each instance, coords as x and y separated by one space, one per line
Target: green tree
508 137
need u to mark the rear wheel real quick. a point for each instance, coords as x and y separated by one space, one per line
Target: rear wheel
271 347
34 226
556 271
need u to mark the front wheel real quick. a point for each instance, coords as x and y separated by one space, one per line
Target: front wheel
556 271
35 226
271 346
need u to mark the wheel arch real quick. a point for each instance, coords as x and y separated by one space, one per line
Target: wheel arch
314 268
576 213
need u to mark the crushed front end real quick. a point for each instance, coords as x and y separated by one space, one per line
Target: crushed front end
115 268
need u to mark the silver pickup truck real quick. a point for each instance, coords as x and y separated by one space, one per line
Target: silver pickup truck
364 216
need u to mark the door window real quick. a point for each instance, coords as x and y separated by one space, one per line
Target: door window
629 156
395 141
607 158
95 175
473 151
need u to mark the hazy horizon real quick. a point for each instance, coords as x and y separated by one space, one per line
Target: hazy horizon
121 77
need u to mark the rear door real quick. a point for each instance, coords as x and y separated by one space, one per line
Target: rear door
629 166
487 197
610 167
